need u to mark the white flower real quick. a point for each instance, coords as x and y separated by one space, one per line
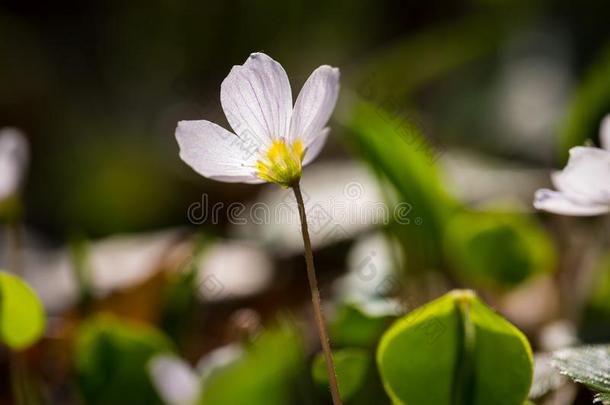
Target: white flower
176 382
583 187
232 270
124 261
272 140
13 161
180 384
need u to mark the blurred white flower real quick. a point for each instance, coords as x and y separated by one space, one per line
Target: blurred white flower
370 267
232 270
583 186
482 180
218 359
14 153
46 267
51 274
180 384
534 83
272 140
558 334
111 264
176 382
124 261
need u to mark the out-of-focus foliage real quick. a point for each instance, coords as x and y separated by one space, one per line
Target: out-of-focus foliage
489 249
351 366
110 358
179 299
269 372
10 208
354 332
351 326
589 365
595 325
26 384
22 317
428 55
470 354
118 180
399 154
497 249
589 105
179 295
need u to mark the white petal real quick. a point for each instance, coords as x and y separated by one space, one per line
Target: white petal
216 153
586 178
559 203
257 99
314 149
176 382
13 160
315 104
604 135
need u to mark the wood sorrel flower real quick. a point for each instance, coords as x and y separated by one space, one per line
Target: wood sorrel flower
583 186
272 140
272 143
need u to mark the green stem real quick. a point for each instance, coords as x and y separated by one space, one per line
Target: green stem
315 299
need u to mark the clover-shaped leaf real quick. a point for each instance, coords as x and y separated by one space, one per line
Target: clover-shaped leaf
455 351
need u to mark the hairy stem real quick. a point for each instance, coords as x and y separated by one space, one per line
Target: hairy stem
315 299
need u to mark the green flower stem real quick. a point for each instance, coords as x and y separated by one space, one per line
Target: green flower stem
315 299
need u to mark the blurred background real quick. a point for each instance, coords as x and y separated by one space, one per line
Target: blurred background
451 115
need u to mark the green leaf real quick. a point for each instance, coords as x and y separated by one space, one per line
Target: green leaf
398 153
496 249
351 326
111 356
589 105
455 351
588 365
22 317
267 374
351 366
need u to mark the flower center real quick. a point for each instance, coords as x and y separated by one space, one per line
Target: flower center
281 163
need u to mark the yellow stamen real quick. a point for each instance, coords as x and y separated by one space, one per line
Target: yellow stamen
281 163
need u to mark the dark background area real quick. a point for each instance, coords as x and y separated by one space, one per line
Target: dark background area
99 86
